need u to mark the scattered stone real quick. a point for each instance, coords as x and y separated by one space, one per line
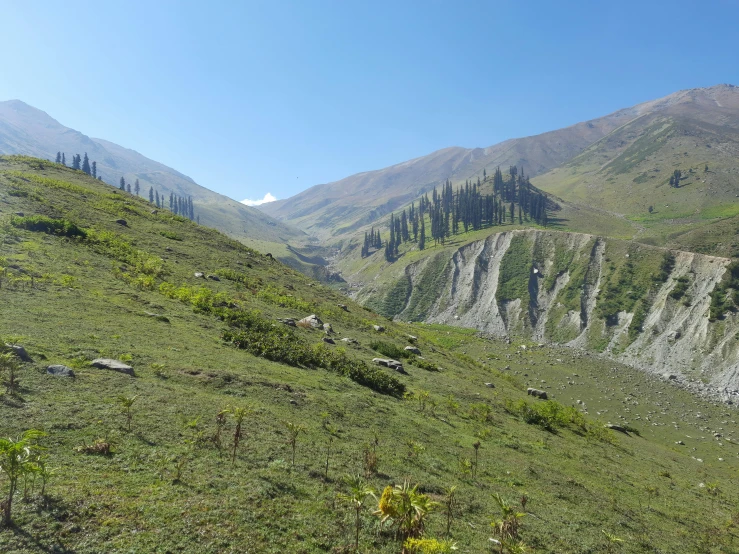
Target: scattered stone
269 255
537 393
293 402
154 212
349 341
672 377
680 443
328 340
122 222
310 322
19 214
327 328
378 328
392 364
412 338
288 321
343 307
490 385
214 277
19 351
113 365
413 350
199 275
60 371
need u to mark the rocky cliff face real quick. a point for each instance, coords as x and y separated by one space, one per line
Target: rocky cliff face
655 309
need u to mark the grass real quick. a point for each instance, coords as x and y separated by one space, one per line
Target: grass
166 485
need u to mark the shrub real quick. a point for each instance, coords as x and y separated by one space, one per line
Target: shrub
43 224
170 235
389 349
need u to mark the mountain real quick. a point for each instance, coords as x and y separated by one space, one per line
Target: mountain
628 171
29 131
229 430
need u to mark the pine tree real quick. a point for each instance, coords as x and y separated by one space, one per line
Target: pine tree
64 160
136 187
128 188
122 185
422 235
86 165
156 195
59 158
94 170
76 162
151 195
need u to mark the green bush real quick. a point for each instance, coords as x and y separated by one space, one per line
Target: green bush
423 364
388 349
680 288
170 235
43 224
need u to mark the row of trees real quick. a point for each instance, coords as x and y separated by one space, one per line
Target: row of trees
451 212
80 164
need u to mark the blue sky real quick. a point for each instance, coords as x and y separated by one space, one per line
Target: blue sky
255 97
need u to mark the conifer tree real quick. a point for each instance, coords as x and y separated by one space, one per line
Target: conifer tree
64 160
122 185
156 195
94 170
136 187
128 188
76 162
59 158
422 235
151 195
86 165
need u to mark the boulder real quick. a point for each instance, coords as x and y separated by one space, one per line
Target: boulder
413 350
158 317
490 385
311 322
412 338
154 212
378 328
19 214
349 341
199 275
328 340
537 393
122 222
214 277
60 371
19 351
327 328
288 321
113 365
392 364
343 307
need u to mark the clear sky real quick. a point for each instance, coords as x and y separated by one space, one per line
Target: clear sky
255 97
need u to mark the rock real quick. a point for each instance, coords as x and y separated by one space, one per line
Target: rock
310 322
413 350
269 255
378 328
214 277
327 328
154 212
328 340
294 402
113 365
19 351
122 222
537 393
412 338
680 443
288 321
392 364
380 361
672 377
199 275
349 341
343 307
490 385
60 371
19 214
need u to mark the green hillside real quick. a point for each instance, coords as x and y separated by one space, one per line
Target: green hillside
78 285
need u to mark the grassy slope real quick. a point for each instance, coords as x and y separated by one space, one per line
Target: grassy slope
629 170
81 307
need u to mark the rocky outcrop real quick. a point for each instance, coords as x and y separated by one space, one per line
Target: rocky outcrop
641 305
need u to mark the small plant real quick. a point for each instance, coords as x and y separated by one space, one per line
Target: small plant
449 503
357 495
100 447
9 367
423 397
429 546
406 508
293 430
17 461
238 414
126 403
465 467
508 527
476 446
415 448
220 425
652 492
612 541
452 405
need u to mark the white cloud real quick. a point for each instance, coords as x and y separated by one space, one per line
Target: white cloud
267 198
